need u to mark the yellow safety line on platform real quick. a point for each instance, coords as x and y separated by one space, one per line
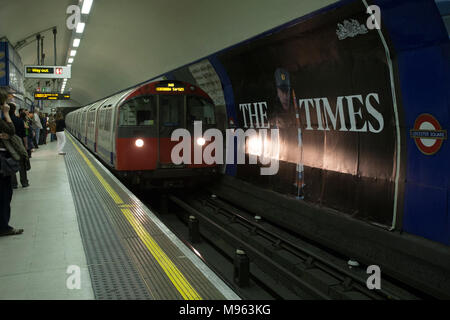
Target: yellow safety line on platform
105 184
164 261
174 274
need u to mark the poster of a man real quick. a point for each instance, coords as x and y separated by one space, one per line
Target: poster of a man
286 118
331 147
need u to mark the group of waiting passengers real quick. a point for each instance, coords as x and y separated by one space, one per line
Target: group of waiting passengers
21 133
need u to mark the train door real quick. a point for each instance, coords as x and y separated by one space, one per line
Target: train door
101 116
171 116
84 125
92 126
104 132
99 123
113 120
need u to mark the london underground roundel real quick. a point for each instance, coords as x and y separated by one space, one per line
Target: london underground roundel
428 134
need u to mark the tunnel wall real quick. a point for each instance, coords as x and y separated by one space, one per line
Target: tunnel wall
356 98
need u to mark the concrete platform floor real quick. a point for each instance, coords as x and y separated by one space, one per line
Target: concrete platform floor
34 265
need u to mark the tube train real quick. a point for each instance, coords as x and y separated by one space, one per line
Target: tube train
131 132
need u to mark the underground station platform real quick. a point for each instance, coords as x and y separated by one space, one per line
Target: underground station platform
92 224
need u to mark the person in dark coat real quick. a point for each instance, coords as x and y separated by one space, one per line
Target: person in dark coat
43 134
6 130
19 126
28 141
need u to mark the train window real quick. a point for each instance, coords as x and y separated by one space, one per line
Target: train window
199 109
92 122
139 112
171 110
108 120
101 123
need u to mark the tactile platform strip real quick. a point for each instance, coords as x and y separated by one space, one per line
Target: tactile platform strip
112 207
113 275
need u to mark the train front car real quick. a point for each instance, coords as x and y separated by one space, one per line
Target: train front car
147 118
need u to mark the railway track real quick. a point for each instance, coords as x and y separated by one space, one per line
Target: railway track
290 267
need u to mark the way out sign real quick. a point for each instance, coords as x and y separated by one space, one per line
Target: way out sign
428 134
48 72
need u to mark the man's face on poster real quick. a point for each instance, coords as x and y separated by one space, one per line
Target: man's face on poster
284 96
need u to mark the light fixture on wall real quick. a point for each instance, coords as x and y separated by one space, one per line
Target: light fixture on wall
80 27
86 8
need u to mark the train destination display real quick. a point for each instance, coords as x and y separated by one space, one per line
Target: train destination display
51 96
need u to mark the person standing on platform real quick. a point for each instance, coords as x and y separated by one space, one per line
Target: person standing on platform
37 127
60 126
32 132
28 141
6 190
43 133
52 125
20 132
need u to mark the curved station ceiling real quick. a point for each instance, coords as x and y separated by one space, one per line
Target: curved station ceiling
127 42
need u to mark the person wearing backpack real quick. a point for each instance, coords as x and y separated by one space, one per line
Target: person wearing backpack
19 126
6 131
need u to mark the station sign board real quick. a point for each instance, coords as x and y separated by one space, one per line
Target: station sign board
48 72
51 96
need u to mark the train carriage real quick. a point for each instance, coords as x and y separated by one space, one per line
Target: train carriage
131 131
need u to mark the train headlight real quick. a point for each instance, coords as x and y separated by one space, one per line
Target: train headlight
201 141
139 143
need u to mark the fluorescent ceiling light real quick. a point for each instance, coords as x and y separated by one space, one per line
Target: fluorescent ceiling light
80 27
86 8
76 42
69 65
73 53
70 60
